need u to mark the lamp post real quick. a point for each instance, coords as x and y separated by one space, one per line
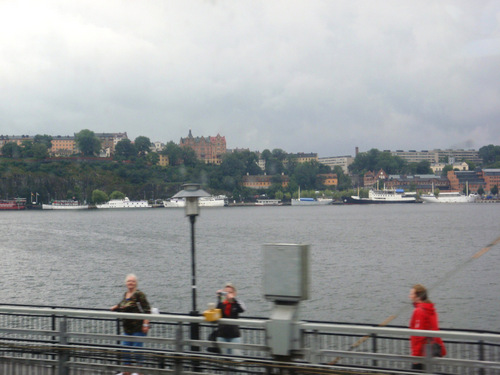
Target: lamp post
192 193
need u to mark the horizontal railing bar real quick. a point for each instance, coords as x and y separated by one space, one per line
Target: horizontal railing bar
162 318
363 330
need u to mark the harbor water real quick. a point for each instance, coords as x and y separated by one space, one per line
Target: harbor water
364 259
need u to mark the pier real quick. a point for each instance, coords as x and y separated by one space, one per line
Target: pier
62 341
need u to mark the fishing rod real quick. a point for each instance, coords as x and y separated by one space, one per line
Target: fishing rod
447 276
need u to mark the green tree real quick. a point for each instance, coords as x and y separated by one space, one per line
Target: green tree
125 150
40 150
375 160
446 169
423 167
117 195
480 190
490 154
472 165
344 181
11 150
494 190
188 156
27 149
142 145
43 139
99 196
174 153
87 142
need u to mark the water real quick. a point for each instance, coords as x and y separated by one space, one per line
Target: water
364 259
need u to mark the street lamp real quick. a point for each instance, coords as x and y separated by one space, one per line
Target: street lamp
192 193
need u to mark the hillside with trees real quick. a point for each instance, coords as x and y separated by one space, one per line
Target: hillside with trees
134 171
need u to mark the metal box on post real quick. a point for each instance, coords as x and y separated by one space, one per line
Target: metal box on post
286 272
286 283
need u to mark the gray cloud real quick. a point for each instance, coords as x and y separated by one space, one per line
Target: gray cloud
315 76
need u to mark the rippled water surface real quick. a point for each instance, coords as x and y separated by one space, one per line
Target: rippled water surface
363 259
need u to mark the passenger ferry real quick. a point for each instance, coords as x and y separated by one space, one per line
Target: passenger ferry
124 203
65 205
13 204
212 201
383 197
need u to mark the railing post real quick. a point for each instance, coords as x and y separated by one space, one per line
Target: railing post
118 333
481 355
179 347
374 348
63 341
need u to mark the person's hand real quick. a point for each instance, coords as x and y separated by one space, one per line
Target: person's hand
145 328
114 307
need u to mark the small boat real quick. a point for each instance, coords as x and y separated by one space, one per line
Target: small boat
13 204
383 197
124 203
65 205
449 197
268 202
212 201
311 201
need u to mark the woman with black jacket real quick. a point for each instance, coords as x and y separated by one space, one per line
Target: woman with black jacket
230 307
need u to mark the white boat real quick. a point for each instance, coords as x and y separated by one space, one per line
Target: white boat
124 203
311 201
383 196
212 201
449 197
65 205
268 202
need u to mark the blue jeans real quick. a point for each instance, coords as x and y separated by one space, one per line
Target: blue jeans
230 350
128 356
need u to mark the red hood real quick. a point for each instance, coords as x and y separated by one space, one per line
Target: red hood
428 307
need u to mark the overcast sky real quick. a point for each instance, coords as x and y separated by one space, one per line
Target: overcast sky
303 76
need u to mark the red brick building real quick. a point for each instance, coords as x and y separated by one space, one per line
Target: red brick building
460 179
370 178
209 149
491 178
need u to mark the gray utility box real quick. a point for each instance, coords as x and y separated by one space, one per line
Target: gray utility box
286 272
286 283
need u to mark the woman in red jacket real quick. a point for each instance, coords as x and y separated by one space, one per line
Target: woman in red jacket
424 317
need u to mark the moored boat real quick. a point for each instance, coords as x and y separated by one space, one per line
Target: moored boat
311 201
65 205
124 203
449 197
13 204
382 197
212 201
268 202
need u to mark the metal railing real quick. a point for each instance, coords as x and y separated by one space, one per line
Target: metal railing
67 341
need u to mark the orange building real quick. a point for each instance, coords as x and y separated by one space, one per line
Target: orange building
63 146
209 149
263 182
302 157
17 139
329 179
